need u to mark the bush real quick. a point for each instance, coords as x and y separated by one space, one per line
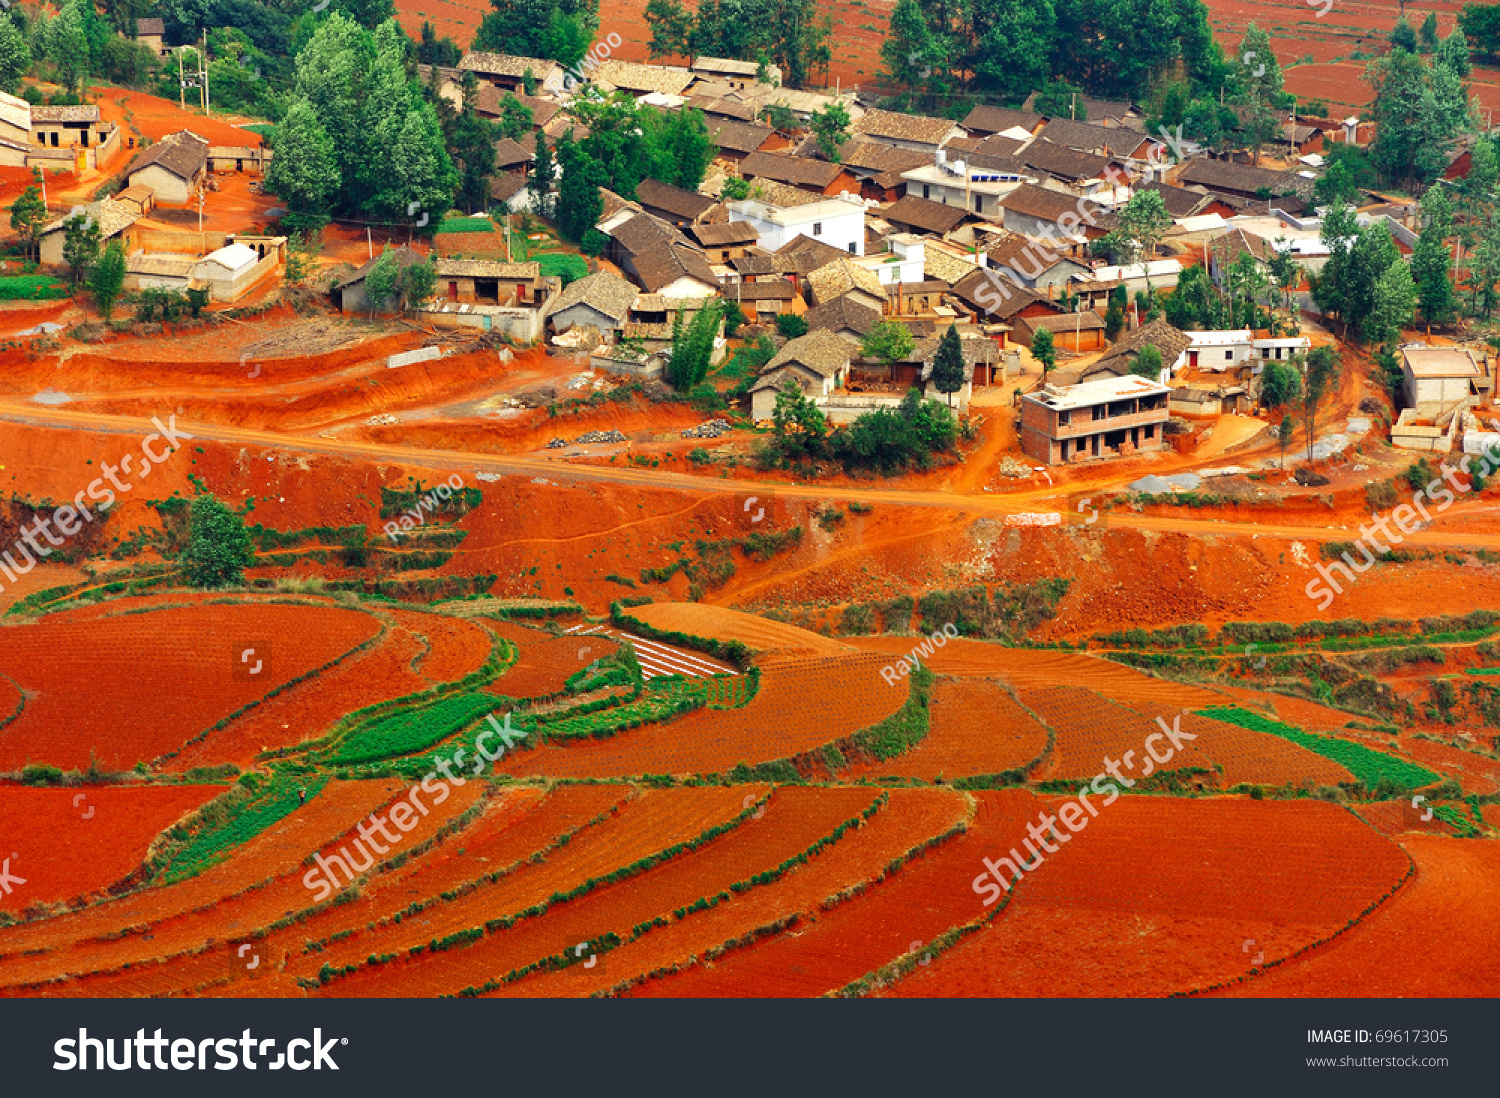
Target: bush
791 325
1381 495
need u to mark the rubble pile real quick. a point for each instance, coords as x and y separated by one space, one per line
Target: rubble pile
712 429
601 436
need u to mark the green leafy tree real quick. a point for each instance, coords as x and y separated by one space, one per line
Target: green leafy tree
888 342
1453 54
515 118
418 283
1284 432
304 173
948 365
799 425
1403 37
735 188
1147 362
1429 260
1059 99
692 347
1012 47
542 175
107 279
1143 222
1114 313
1480 24
1284 270
299 262
1044 349
911 53
831 127
537 28
67 44
1258 74
1322 375
80 245
1419 113
382 280
579 205
28 214
671 24
1392 303
15 55
1429 32
218 549
1280 384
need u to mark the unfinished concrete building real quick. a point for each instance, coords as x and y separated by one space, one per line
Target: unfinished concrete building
1111 417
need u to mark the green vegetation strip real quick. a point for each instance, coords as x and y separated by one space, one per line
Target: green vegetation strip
906 727
31 288
1368 766
233 820
1482 670
413 730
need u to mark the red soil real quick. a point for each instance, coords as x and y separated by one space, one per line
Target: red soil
1161 894
795 819
1434 938
925 898
155 680
1476 773
545 662
11 700
801 705
156 117
1398 818
657 820
66 850
454 647
1090 728
911 816
977 728
38 579
1259 758
273 860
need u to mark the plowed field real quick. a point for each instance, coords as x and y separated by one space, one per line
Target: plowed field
976 728
129 688
721 623
1257 757
801 705
1090 729
1160 894
545 662
73 842
453 647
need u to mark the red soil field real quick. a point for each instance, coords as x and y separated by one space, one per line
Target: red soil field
910 817
976 728
760 634
273 856
1257 757
304 712
1304 714
656 820
800 705
454 647
1399 818
39 579
928 896
1160 894
1030 669
235 920
1476 773
545 662
1089 728
11 699
155 117
65 851
795 819
1436 937
124 689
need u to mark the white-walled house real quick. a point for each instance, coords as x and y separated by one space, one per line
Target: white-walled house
781 214
906 263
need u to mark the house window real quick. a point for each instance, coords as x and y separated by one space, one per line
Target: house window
851 247
926 191
1228 355
979 203
817 228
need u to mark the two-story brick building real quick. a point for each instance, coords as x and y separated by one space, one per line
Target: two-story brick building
1098 419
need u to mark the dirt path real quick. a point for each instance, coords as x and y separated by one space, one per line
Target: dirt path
1037 499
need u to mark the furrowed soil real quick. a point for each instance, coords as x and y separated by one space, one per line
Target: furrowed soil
977 727
70 843
545 662
1434 938
1161 894
801 704
861 855
155 680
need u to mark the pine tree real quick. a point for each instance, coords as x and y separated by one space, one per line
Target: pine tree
108 278
542 175
948 365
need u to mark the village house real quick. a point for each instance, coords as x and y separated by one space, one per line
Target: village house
116 221
843 316
672 204
737 140
174 168
1078 333
152 33
983 121
1242 181
65 127
843 277
638 79
907 131
1170 342
348 294
817 362
1440 381
761 302
920 215
1110 417
737 74
1034 265
781 213
723 241
956 183
505 71
601 301
230 272
1039 212
818 177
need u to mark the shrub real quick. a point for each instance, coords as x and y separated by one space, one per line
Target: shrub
791 325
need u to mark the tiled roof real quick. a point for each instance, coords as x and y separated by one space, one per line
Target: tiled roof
795 170
1039 202
86 112
150 26
1160 334
505 64
995 119
924 214
666 263
1179 201
110 215
674 200
840 313
1229 247
1064 163
842 276
16 111
183 153
760 291
725 108
508 152
905 127
782 195
642 78
724 233
605 292
643 232
743 137
943 266
996 295
506 185
403 256
486 268
1240 178
1087 137
822 351
822 253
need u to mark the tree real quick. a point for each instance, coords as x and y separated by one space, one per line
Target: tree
1322 375
671 24
67 44
1280 384
538 28
218 549
1429 260
108 278
382 280
692 347
542 176
1403 37
1285 272
1143 221
1284 431
1258 74
948 365
418 282
735 188
1480 24
1044 350
1012 48
80 245
1419 112
1059 99
1394 300
1114 313
515 118
888 342
798 423
734 318
298 258
304 173
1147 362
791 325
1453 54
28 214
579 206
471 142
15 55
831 127
1429 32
911 52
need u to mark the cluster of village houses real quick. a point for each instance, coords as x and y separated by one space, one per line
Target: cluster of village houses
983 224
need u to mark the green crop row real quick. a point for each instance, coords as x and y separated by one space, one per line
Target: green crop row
245 815
1367 765
411 730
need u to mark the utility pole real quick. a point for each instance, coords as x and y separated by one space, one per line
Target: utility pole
203 62
181 83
